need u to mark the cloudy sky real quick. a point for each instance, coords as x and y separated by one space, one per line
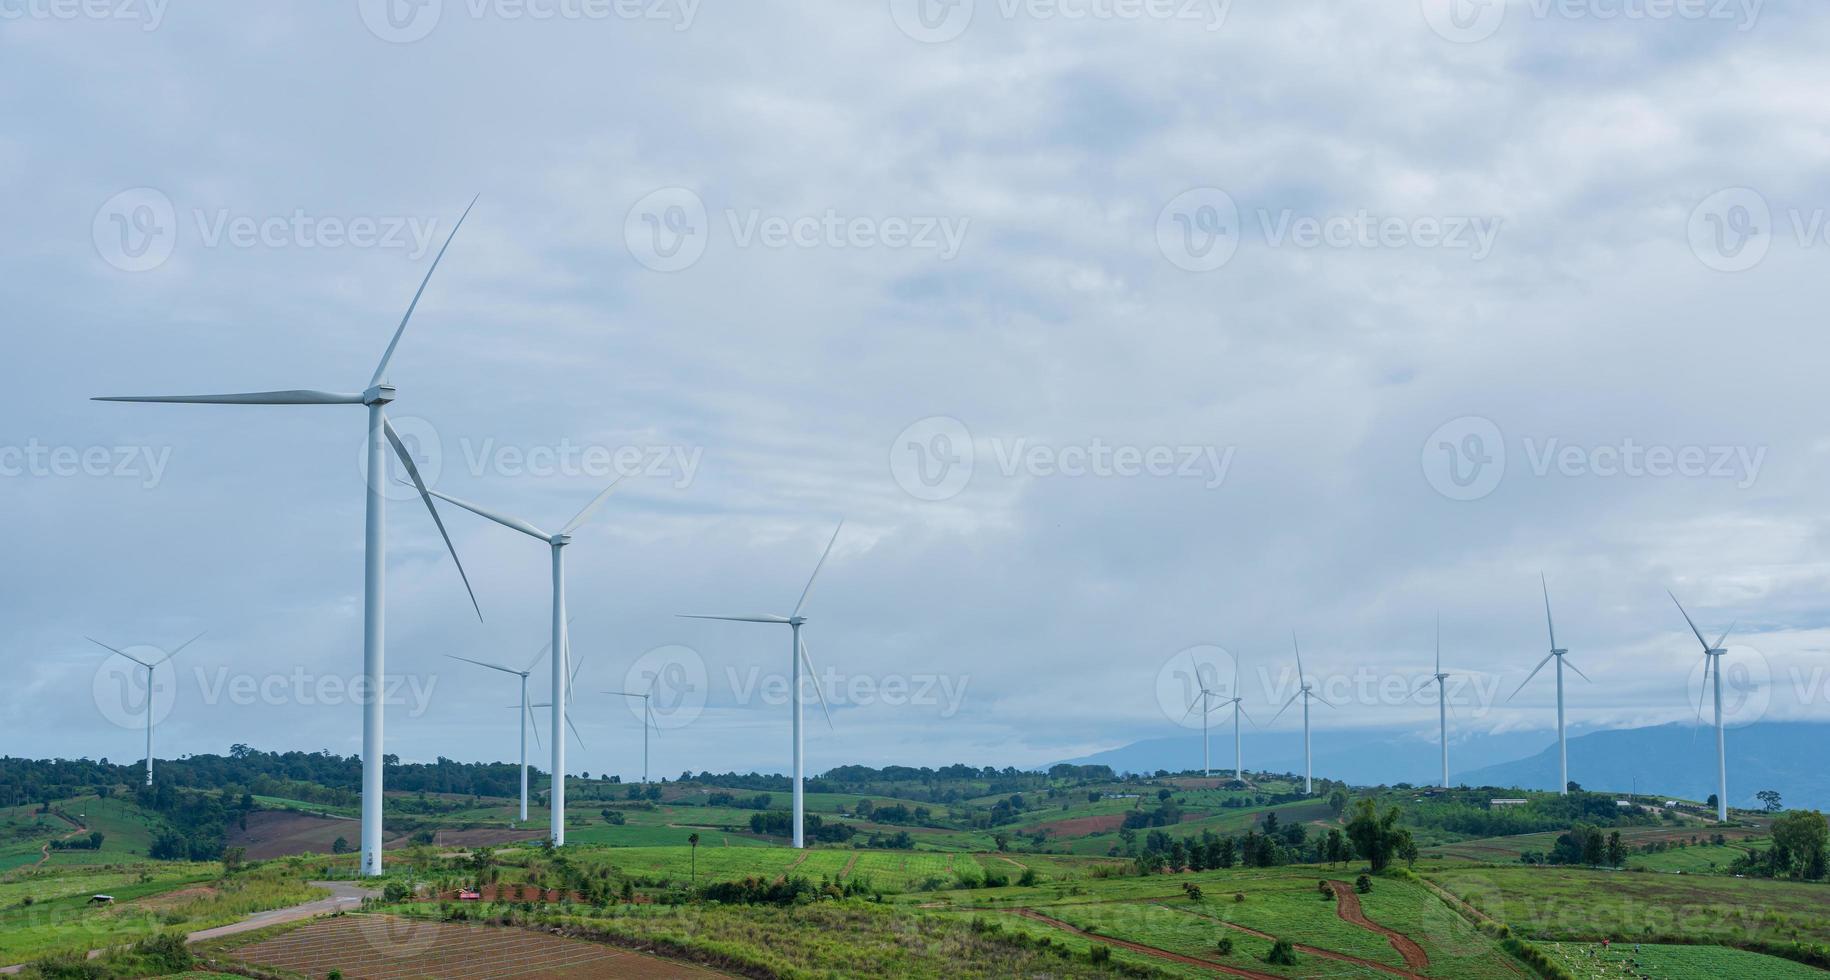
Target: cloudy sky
1123 335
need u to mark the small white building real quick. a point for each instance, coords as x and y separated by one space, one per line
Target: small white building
1503 804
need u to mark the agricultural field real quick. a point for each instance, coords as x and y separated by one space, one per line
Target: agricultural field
1505 850
1587 960
1573 905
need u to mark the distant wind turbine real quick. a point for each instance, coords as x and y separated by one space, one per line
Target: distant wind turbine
374 640
1204 701
1439 679
797 656
647 720
561 696
1712 658
527 711
1307 693
1559 654
149 689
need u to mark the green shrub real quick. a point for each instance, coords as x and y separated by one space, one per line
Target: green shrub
1363 884
1281 954
1225 946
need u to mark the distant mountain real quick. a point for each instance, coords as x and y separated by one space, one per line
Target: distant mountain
1363 757
1680 760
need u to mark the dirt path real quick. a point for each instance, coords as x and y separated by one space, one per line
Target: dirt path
1347 906
1014 861
1327 954
845 872
44 852
1152 951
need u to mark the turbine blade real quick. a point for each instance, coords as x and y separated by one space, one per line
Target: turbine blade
535 719
1528 677
480 663
815 677
1724 636
1702 694
544 647
590 508
1299 657
1687 619
816 568
406 460
181 646
123 653
1420 687
502 519
574 729
1241 709
1578 670
1192 705
764 618
577 665
382 369
1439 643
1286 707
1548 622
291 397
1324 700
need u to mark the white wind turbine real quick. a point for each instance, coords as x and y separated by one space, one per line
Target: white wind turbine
1204 701
1559 654
374 641
796 656
527 710
149 688
1439 679
562 695
1307 693
647 720
1712 658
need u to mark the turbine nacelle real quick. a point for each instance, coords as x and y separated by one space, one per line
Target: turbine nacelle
379 394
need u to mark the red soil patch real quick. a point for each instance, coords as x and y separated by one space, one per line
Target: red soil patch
1347 906
282 833
1081 826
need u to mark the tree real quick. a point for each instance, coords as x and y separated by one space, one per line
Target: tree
1799 839
1337 801
1376 837
1770 799
1574 787
693 839
339 846
1617 851
1712 802
232 859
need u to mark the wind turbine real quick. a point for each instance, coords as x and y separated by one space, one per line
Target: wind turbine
149 688
561 696
1203 701
527 710
647 720
796 656
1712 657
1307 693
1439 679
580 739
1559 654
374 641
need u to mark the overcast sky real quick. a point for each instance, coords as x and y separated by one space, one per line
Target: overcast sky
1112 330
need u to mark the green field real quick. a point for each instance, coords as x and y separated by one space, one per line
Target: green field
1674 962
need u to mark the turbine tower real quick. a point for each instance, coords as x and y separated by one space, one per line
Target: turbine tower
374 640
561 696
1439 679
647 719
1203 701
1712 658
527 710
1559 654
797 656
1306 692
149 688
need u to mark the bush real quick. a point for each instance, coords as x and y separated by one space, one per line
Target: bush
1225 946
396 892
1363 884
1100 954
1192 890
1281 954
1327 892
1028 878
1239 896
